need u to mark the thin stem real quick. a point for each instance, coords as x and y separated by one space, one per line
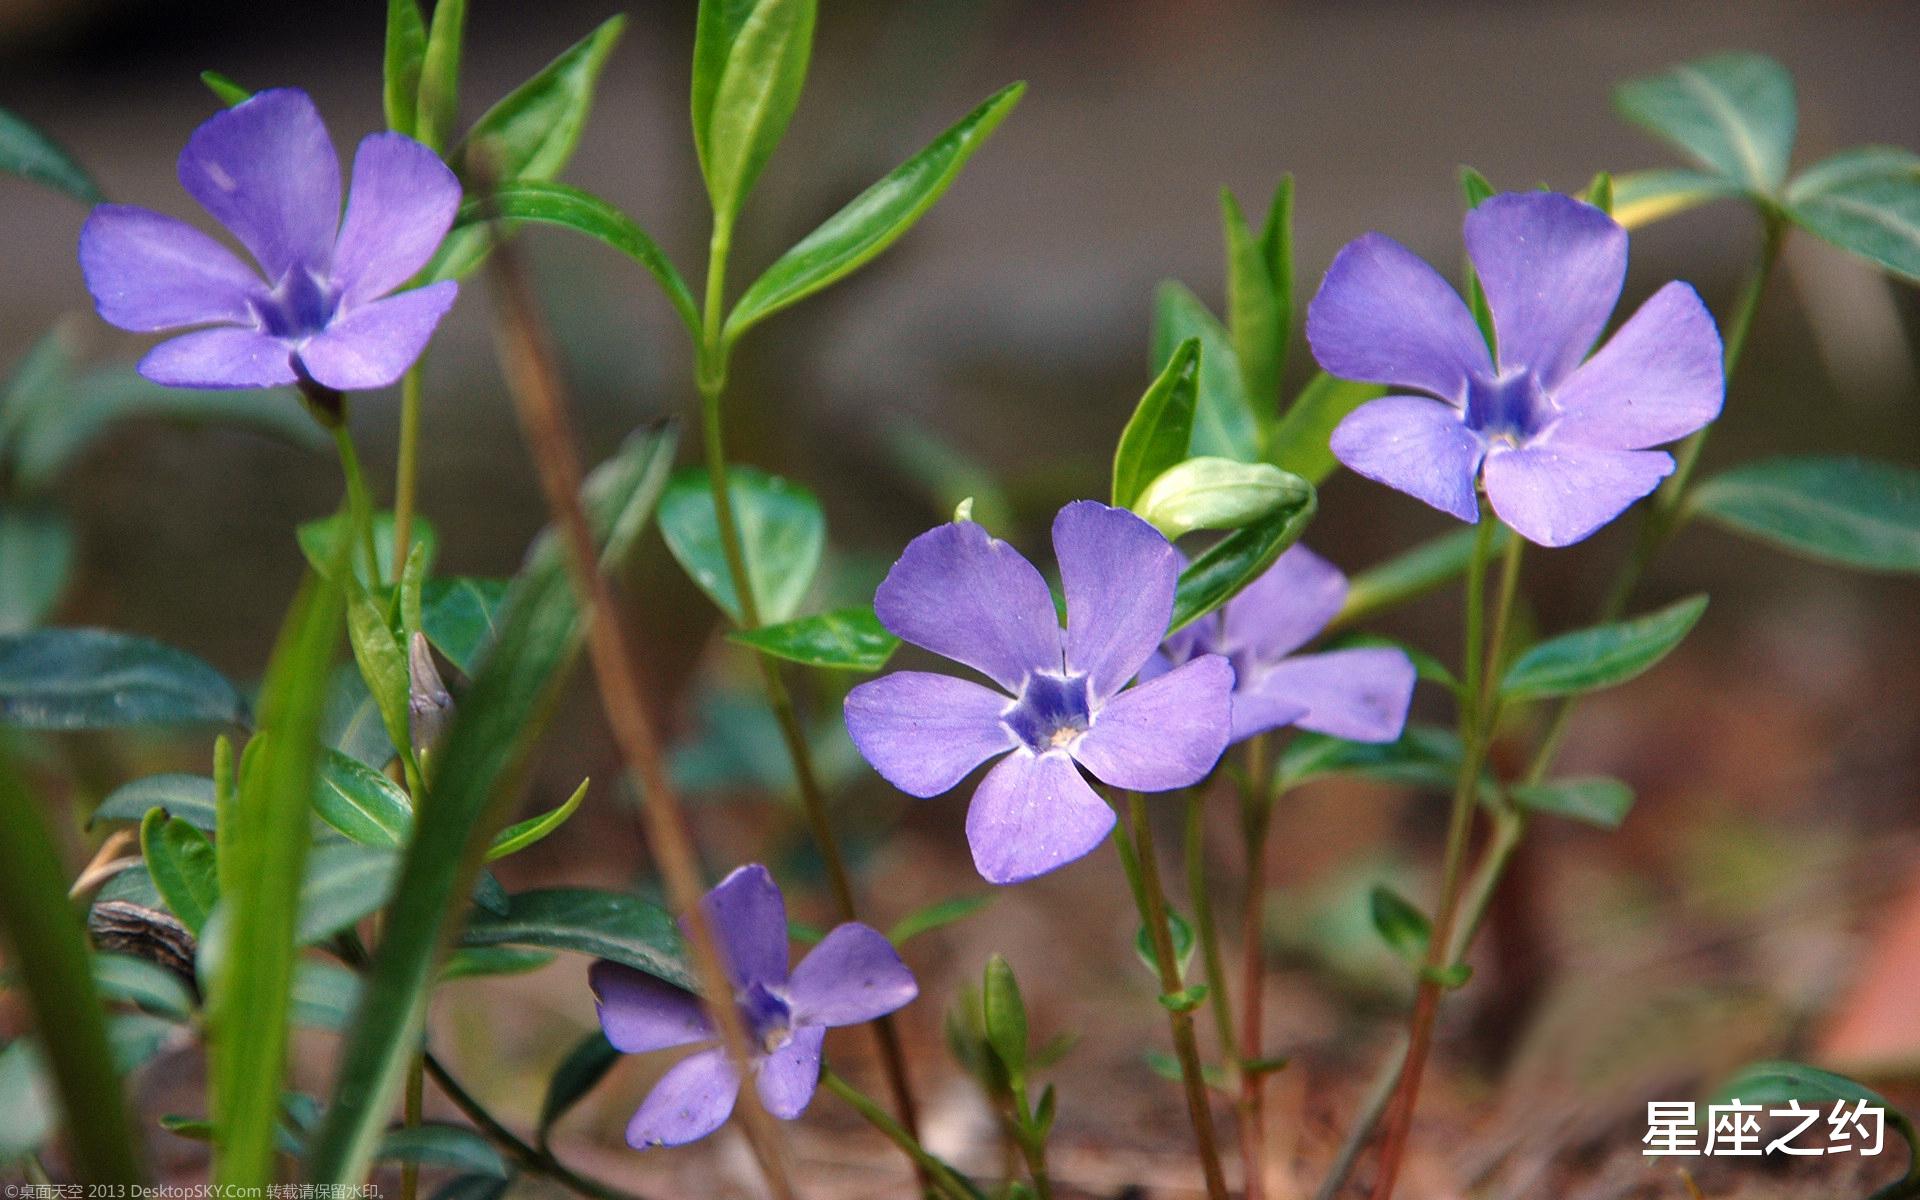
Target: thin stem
1202 899
1256 818
950 1182
359 499
531 1158
414 1106
1364 1121
711 381
545 416
406 468
1475 731
1137 858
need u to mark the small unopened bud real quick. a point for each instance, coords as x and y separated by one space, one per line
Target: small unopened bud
428 702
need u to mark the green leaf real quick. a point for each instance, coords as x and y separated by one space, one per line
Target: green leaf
1865 201
610 925
1161 427
1414 573
1217 493
1235 561
1005 1017
225 89
1182 935
781 530
1476 191
1778 1081
1643 197
383 664
1600 192
27 1118
461 617
1733 113
321 542
439 103
325 995
569 207
67 679
532 131
180 861
1602 656
846 639
873 220
345 883
749 65
1256 318
1276 247
32 155
1593 800
1300 442
936 915
405 55
249 996
452 1147
124 979
1425 756
351 722
515 838
360 802
478 962
584 1066
1850 511
188 797
36 555
1224 425
499 715
1402 926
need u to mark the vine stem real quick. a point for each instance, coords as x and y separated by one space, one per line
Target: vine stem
1256 819
359 499
1477 719
406 468
943 1177
534 378
1138 859
711 381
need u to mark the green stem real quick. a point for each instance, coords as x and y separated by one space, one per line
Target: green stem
411 1113
359 499
950 1182
1202 899
406 468
1137 858
1257 799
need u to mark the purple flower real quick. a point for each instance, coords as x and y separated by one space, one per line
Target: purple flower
974 599
1359 694
1563 445
266 170
853 975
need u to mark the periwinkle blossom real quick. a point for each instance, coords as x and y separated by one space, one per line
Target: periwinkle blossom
1064 697
1563 442
1360 693
852 976
319 306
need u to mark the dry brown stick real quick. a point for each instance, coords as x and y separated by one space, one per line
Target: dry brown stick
533 376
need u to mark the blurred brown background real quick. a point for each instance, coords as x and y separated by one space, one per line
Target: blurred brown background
1777 756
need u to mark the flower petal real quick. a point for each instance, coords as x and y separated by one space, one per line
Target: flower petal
1383 315
1552 267
790 1075
266 169
640 1013
1417 446
1166 733
1031 814
853 975
1255 713
974 599
220 359
749 919
1657 379
691 1100
401 206
1282 610
373 345
1360 694
1118 574
1556 495
147 271
923 732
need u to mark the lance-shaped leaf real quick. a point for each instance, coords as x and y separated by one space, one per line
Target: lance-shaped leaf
782 534
1215 493
406 51
749 63
1224 425
1400 925
584 1066
512 691
1592 800
1416 572
1850 511
461 617
1161 427
187 797
1258 317
321 541
1235 561
180 862
67 679
846 639
1643 197
518 836
1301 442
451 1147
360 802
31 154
532 131
439 100
1733 113
873 220
937 915
1866 201
36 554
610 925
1424 756
1602 656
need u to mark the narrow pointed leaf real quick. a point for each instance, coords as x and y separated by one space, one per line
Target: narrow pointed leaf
406 53
1414 573
1733 113
1301 441
451 1147
1850 511
1236 560
1602 656
1400 925
1254 318
36 556
611 925
225 89
782 534
124 979
1867 202
741 111
1161 427
1005 1016
345 883
187 797
1592 800
517 837
937 915
32 155
439 103
180 861
320 541
360 802
584 1066
68 679
532 131
461 617
1223 425
846 639
1643 197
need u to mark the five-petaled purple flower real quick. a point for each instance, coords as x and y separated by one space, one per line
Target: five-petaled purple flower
1360 694
853 975
266 170
974 599
1563 445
